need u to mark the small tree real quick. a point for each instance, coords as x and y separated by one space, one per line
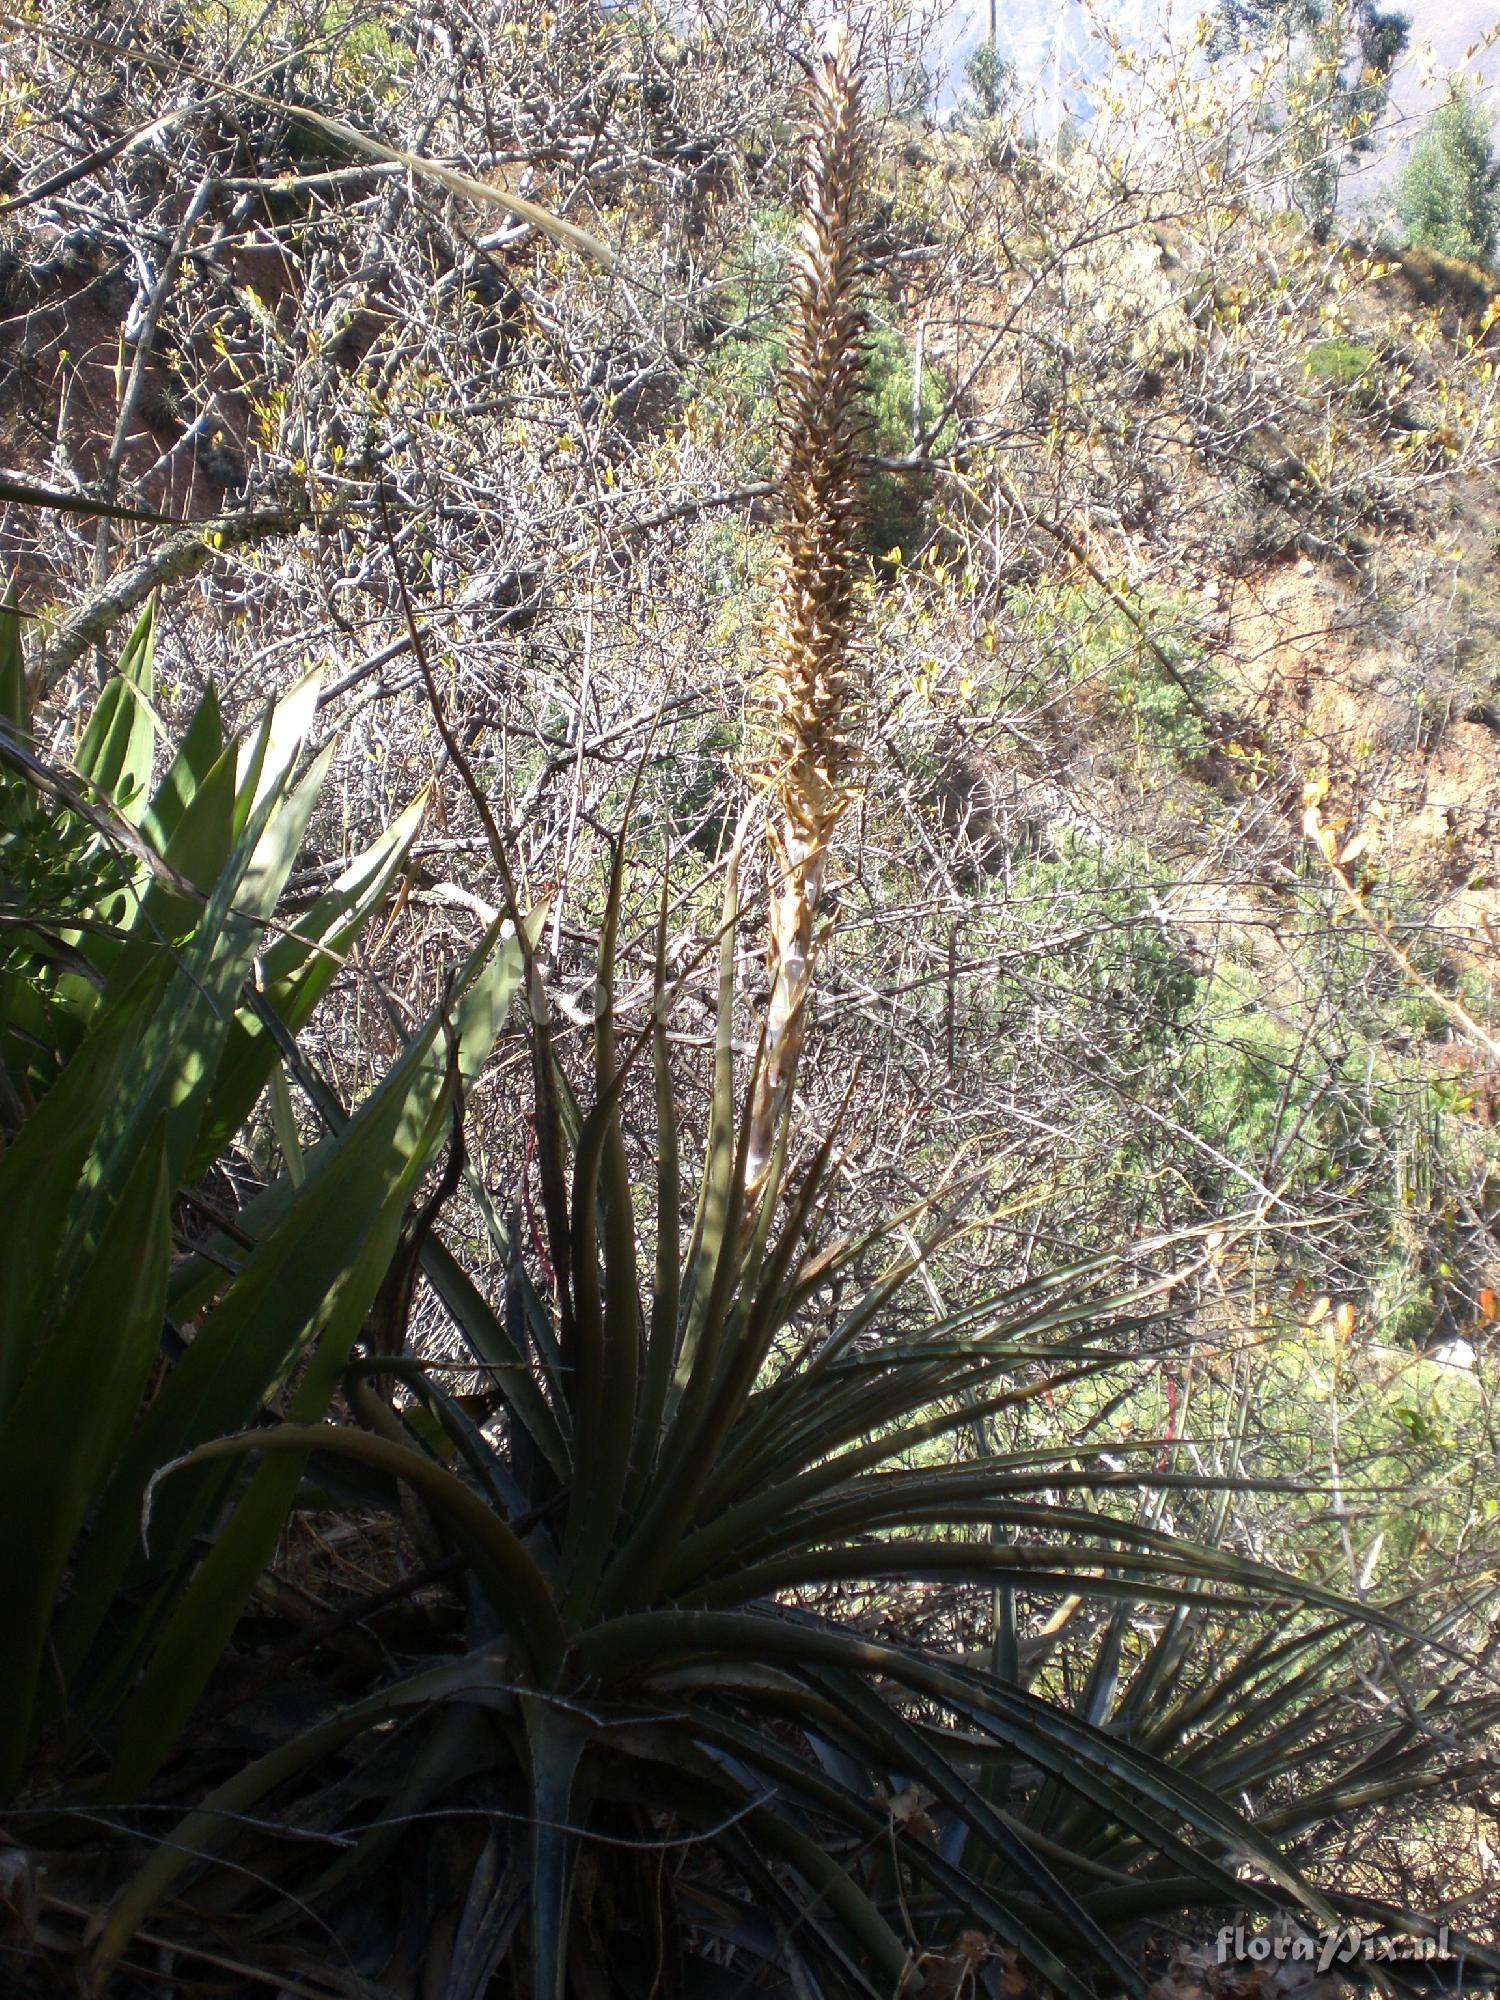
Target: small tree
1339 56
989 79
1449 192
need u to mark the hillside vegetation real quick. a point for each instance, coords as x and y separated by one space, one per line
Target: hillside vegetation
749 1010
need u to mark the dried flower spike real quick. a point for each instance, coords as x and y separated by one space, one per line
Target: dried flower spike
807 637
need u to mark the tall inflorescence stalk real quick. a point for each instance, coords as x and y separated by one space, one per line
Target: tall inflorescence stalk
807 637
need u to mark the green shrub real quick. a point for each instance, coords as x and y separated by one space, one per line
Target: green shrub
989 82
1143 651
1248 1086
1343 363
734 386
1448 196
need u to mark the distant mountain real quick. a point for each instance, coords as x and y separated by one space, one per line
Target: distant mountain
1038 36
1051 44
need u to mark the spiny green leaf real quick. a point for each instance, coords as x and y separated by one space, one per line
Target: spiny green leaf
208 1609
41 1172
15 696
115 752
69 1418
196 1835
201 748
247 1344
555 1741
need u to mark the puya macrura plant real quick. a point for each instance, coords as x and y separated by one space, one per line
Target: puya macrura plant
651 1732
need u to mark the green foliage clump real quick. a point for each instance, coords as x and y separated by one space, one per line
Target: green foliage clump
989 81
1128 980
1143 651
56 875
1257 1098
734 387
1245 1085
1404 1303
896 501
988 77
1342 363
1448 198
